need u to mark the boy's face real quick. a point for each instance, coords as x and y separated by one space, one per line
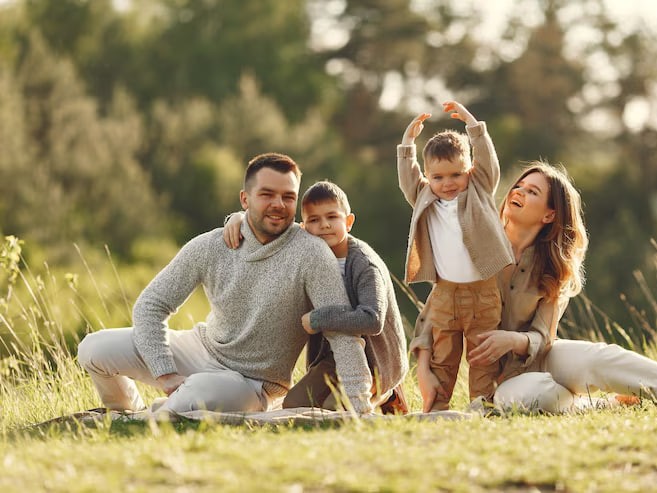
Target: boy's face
447 178
328 221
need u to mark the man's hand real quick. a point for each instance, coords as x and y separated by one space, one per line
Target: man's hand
459 112
414 129
305 321
170 382
232 235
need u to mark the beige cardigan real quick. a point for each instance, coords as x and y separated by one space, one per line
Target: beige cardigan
483 234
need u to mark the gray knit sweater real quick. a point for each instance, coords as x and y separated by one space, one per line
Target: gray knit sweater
375 316
257 295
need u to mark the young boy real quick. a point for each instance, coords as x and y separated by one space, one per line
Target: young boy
457 242
374 314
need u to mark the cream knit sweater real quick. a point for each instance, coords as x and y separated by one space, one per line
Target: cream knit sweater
257 295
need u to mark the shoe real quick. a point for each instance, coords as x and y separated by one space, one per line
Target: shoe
627 400
396 403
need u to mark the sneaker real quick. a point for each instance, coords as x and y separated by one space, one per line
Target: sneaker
396 403
627 400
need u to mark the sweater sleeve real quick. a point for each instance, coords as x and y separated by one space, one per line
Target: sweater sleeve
486 166
367 317
323 280
161 298
411 179
544 323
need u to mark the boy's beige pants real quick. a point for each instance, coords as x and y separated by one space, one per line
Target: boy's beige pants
462 311
572 370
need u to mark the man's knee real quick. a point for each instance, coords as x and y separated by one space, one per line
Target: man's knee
86 350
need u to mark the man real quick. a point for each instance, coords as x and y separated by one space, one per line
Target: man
241 358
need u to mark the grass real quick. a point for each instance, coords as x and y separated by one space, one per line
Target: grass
603 450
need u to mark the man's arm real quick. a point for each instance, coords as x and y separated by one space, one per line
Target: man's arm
161 298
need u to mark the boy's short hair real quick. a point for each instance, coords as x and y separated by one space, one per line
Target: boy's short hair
448 144
325 191
278 162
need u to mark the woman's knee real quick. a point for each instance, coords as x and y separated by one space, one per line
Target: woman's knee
534 391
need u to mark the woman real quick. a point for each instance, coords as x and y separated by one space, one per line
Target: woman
543 220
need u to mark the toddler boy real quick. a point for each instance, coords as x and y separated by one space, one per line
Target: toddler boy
457 242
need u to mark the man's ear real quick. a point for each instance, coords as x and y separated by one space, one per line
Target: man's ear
550 216
244 201
350 221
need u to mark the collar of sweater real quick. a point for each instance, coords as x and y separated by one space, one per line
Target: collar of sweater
255 250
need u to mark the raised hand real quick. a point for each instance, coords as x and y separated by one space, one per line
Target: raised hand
459 112
414 129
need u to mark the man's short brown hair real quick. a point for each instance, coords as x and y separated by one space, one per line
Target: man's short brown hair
278 162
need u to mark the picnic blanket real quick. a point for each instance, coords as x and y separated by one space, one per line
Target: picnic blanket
293 416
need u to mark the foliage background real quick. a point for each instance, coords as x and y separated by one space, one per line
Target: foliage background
130 127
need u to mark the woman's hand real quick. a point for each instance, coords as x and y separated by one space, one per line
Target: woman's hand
231 232
427 382
496 343
414 128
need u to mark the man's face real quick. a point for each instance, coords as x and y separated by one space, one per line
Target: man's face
271 203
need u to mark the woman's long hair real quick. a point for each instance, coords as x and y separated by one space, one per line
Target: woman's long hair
560 247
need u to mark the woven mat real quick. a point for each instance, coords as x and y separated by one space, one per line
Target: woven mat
294 416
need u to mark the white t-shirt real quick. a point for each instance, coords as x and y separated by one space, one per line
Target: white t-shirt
452 260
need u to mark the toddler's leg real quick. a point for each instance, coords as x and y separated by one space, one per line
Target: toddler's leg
487 312
445 360
584 367
352 369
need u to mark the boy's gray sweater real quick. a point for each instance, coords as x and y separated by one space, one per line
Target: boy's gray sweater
375 317
257 295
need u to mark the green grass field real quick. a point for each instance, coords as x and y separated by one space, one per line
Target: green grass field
601 450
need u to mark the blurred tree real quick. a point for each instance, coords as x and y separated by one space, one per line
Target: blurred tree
71 175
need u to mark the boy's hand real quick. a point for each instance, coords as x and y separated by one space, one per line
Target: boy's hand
231 232
459 112
305 321
414 129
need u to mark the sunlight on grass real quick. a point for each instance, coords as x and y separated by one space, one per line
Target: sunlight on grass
606 450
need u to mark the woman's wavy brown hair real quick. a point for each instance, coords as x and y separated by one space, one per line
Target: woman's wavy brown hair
560 246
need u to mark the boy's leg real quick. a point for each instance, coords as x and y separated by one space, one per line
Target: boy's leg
486 316
352 369
112 361
447 341
312 390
